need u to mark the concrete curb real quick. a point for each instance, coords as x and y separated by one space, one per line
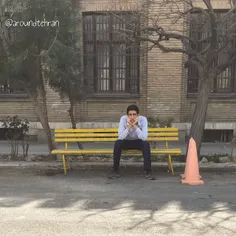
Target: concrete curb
105 165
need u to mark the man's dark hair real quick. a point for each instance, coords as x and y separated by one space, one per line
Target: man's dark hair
132 108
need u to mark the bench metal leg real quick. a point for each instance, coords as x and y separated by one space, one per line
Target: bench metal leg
64 163
170 165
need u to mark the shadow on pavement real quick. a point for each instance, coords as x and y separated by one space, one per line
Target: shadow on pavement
164 201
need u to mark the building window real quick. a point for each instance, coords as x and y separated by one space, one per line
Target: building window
111 61
6 87
226 81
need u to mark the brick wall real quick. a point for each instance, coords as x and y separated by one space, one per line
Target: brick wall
17 106
163 82
217 4
218 110
105 110
164 71
57 107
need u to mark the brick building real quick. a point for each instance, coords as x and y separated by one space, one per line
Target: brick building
157 82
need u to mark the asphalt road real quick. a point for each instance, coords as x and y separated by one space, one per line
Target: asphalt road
86 203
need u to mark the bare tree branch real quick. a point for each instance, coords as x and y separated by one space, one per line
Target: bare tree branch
192 10
163 35
230 61
172 49
228 14
208 5
196 63
203 50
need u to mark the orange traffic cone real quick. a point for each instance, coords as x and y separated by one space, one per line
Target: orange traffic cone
184 174
191 174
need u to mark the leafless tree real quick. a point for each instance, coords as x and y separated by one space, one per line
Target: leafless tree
210 45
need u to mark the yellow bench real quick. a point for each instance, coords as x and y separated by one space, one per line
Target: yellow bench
111 135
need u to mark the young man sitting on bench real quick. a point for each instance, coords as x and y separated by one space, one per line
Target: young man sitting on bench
132 134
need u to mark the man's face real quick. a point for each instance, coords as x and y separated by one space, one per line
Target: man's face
132 115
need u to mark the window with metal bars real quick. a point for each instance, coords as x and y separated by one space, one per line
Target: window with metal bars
225 82
111 60
7 88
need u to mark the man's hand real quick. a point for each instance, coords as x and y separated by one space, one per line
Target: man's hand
135 123
132 123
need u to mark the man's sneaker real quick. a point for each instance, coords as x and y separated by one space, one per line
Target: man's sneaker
114 174
149 175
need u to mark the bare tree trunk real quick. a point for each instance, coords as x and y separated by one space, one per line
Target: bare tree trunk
44 114
46 126
73 122
72 117
41 112
200 112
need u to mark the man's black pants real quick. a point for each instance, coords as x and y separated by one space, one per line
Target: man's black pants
138 144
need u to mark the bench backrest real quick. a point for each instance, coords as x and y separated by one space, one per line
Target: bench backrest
110 135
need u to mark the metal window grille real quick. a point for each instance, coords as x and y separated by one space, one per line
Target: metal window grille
6 87
225 81
111 61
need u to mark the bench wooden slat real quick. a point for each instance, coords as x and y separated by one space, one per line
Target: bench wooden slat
110 151
110 130
67 135
85 130
69 140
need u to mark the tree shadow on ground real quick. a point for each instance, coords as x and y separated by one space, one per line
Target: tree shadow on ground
164 201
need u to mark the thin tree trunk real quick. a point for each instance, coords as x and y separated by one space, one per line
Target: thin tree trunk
43 118
73 122
46 126
47 131
200 112
42 91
